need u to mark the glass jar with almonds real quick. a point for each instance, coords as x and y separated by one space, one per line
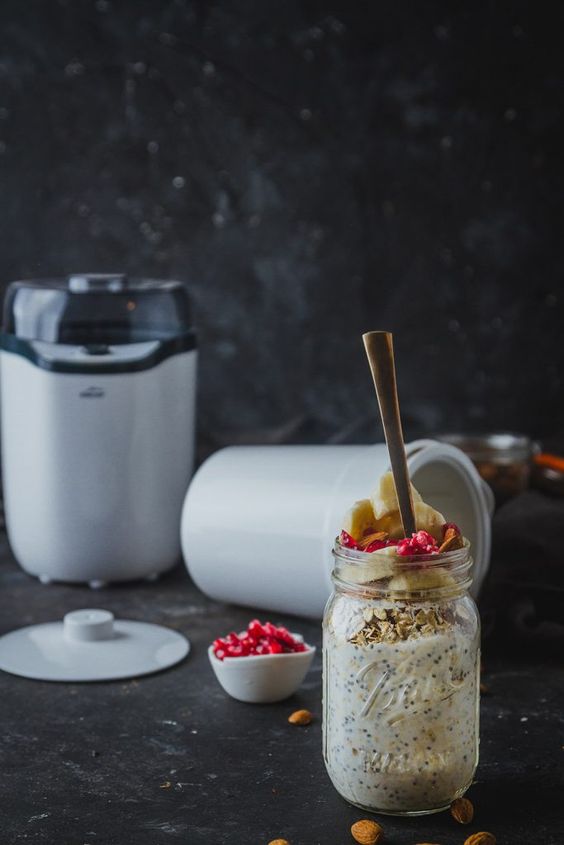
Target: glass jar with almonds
401 678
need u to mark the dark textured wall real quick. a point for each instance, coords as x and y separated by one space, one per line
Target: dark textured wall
312 170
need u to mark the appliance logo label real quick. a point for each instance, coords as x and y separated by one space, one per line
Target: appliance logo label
92 393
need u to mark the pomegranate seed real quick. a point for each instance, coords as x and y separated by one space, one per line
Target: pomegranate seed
257 639
420 543
255 629
347 541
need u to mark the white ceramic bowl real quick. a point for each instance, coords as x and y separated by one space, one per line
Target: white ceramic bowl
262 678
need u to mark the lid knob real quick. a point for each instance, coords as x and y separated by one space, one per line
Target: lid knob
89 625
88 282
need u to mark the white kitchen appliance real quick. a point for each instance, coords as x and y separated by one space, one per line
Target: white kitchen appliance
98 383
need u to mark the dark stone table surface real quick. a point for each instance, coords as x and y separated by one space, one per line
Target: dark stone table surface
170 758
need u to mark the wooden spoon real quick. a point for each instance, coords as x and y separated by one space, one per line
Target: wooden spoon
380 351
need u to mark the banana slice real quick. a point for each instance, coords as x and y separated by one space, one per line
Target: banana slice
385 500
428 519
380 513
380 566
360 518
420 579
385 507
393 525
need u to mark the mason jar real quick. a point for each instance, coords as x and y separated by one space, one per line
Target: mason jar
401 662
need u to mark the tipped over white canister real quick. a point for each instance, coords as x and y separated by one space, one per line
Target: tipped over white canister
259 522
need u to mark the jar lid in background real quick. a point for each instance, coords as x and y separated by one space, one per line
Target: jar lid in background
503 459
499 447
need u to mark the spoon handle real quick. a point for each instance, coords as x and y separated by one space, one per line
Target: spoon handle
380 351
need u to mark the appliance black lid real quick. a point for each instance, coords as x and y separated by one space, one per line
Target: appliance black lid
93 308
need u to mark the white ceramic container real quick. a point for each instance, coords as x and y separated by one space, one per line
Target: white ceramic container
259 522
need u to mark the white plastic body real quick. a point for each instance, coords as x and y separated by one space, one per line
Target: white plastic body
95 467
259 522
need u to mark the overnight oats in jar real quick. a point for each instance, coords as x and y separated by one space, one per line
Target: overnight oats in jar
401 641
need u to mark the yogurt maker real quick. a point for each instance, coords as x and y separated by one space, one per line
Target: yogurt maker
98 384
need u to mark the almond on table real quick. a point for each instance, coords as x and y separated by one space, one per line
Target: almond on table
367 832
300 717
482 838
462 810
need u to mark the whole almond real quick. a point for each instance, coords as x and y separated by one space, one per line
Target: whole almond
279 842
300 717
482 838
462 810
367 832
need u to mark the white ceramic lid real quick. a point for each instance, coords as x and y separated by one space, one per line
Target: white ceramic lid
90 645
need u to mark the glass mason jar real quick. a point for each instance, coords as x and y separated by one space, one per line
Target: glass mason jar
401 662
